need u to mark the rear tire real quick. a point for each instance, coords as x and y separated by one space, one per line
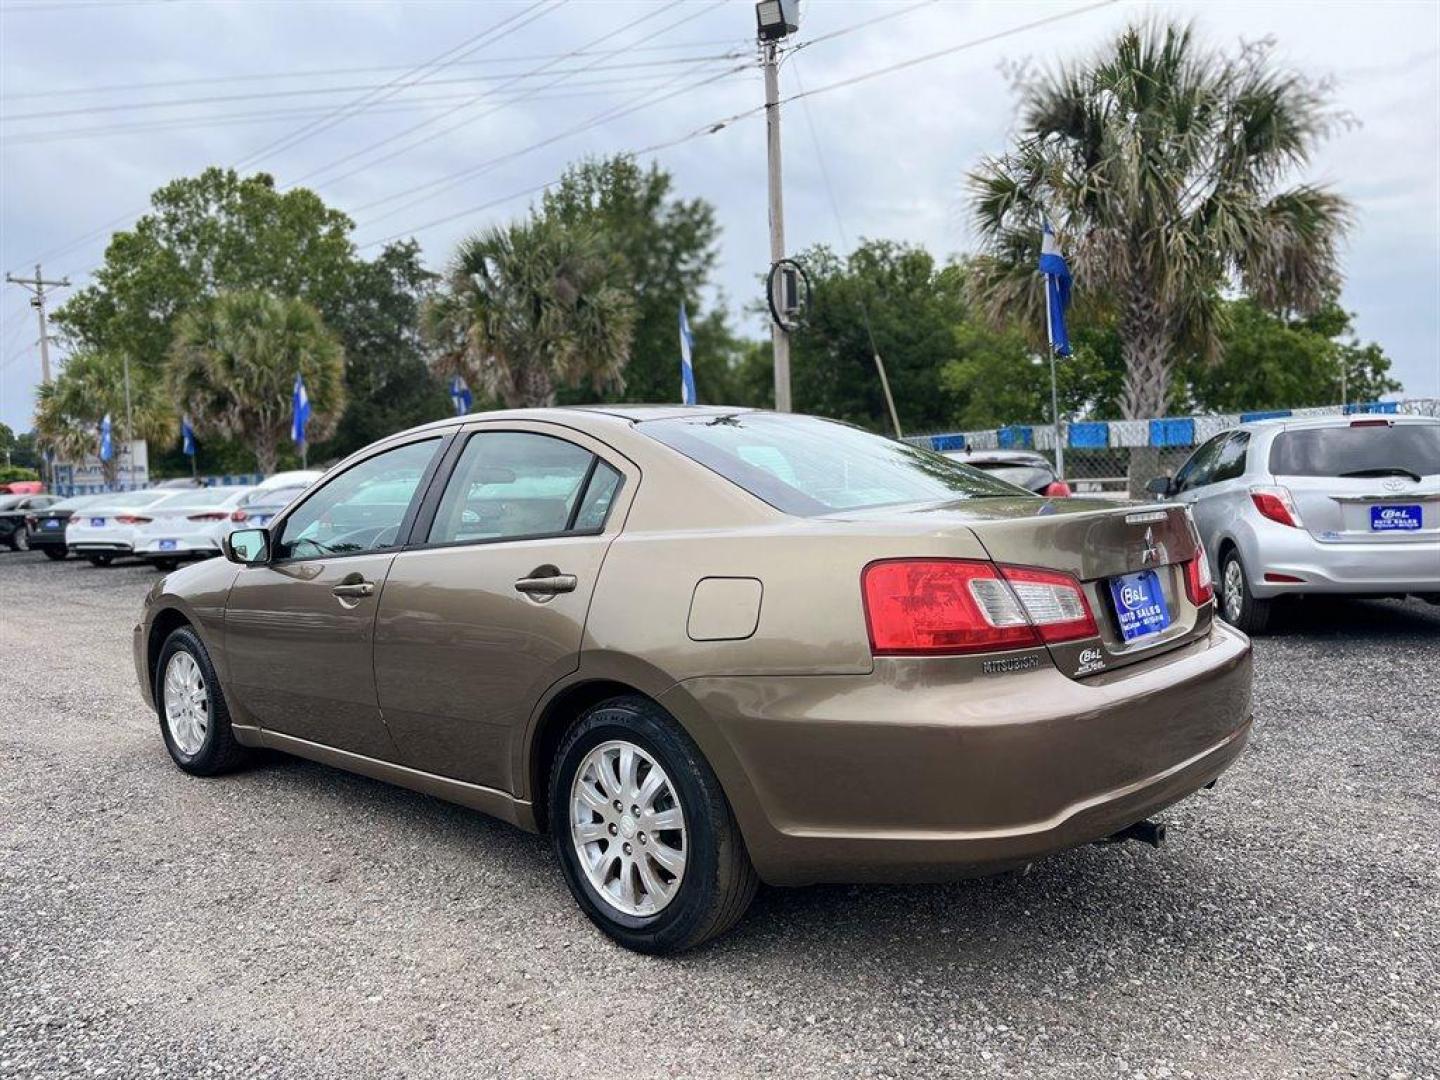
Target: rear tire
194 720
705 881
56 553
166 565
19 541
100 560
1238 606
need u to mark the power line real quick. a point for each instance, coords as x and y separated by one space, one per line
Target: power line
178 123
730 44
503 29
456 52
444 183
315 91
715 126
489 112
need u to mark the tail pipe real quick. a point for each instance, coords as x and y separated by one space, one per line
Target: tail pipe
1146 832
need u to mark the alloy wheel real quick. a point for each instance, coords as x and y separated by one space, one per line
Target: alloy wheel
628 828
187 705
1234 591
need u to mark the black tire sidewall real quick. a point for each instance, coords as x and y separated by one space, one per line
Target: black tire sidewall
100 560
57 554
653 732
206 760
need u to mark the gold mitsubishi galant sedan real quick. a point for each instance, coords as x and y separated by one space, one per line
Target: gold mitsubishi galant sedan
705 647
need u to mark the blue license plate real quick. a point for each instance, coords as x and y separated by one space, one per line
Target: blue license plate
261 519
52 523
167 545
1139 604
97 523
1392 518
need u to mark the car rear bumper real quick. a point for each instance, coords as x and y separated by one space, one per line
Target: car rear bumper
901 775
45 539
184 549
1410 566
97 547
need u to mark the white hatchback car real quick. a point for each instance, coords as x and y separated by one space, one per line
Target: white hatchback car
1340 505
105 529
189 524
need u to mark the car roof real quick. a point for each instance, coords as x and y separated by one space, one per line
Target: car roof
1298 423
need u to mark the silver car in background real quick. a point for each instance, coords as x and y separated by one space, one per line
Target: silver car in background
1338 505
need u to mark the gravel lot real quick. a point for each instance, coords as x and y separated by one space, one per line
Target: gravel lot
295 921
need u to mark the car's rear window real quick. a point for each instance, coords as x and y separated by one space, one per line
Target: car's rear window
806 466
1358 450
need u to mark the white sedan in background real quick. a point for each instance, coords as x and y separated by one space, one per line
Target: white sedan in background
103 530
187 524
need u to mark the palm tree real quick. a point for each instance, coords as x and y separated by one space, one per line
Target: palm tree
1160 164
233 365
528 308
68 411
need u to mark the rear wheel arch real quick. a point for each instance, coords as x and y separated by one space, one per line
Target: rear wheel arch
558 714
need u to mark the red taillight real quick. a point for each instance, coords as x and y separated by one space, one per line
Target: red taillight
239 516
936 606
207 517
1199 585
129 519
31 520
1277 505
1057 490
1282 579
1369 423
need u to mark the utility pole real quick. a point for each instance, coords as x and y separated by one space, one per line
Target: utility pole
37 286
779 336
774 20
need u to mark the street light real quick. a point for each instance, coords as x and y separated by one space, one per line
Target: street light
776 19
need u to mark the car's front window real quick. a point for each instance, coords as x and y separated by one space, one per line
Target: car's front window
362 509
804 465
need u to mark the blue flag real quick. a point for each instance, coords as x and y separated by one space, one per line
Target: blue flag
107 451
187 437
687 368
1057 291
461 396
300 403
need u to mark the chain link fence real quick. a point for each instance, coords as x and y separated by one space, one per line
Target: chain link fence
1116 457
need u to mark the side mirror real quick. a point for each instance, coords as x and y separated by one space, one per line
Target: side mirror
1161 486
247 546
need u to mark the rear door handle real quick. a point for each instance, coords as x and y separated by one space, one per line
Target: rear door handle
354 588
547 586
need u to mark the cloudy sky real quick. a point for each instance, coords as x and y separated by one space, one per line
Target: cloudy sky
104 100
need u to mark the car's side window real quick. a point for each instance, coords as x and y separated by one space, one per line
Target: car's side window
1230 462
1199 469
510 484
360 510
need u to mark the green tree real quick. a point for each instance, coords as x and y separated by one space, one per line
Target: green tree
233 367
389 385
69 409
913 306
1272 362
1161 165
530 308
205 235
664 249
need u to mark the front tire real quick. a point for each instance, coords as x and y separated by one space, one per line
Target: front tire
643 832
1238 606
194 720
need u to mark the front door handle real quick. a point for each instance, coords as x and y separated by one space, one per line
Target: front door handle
553 585
354 589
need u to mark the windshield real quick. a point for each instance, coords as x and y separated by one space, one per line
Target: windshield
1368 449
130 498
277 496
9 501
806 466
198 497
